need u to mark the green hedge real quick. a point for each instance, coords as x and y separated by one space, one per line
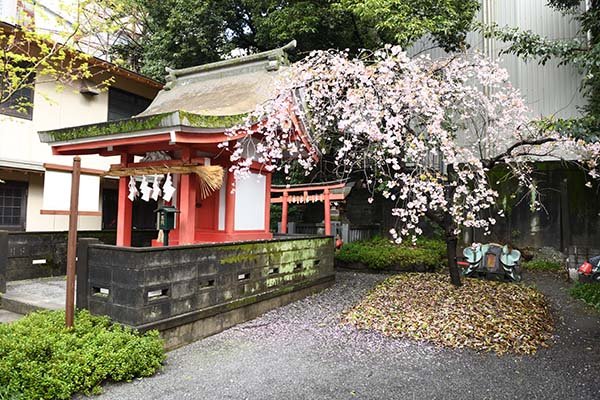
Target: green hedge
588 292
379 254
41 359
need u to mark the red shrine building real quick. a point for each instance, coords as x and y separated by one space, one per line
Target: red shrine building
178 136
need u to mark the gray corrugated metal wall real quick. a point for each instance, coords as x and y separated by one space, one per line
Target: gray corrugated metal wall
547 89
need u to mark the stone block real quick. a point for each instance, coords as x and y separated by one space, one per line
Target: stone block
183 289
128 296
183 306
99 307
181 272
156 311
206 298
156 276
100 275
126 315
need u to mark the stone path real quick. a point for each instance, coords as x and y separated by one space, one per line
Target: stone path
301 352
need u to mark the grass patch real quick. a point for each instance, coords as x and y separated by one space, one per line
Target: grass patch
481 315
542 265
588 292
545 259
41 359
380 254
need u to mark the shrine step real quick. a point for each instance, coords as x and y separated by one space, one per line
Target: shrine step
23 297
8 316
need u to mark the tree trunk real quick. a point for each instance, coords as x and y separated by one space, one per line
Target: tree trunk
451 244
450 229
446 222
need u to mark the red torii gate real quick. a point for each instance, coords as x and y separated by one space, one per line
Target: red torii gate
307 193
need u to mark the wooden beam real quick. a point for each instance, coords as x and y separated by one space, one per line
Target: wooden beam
332 197
68 168
98 145
65 212
302 188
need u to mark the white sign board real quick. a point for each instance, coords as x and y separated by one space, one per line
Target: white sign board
57 192
250 203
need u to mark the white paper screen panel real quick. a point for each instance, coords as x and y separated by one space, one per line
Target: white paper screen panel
57 191
250 203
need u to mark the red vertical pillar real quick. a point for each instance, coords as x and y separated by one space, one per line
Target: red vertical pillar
284 213
124 207
230 203
327 213
187 207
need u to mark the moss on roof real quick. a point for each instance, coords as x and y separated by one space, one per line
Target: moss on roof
143 123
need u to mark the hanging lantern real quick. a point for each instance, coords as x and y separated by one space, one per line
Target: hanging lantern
145 189
168 188
133 192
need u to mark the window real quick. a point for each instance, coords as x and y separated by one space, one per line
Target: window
13 205
8 10
123 104
20 104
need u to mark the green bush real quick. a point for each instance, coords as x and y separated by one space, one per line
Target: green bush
379 253
588 292
542 265
41 359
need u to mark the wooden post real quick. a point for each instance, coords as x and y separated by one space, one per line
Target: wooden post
187 206
230 203
327 213
124 208
3 260
72 243
284 213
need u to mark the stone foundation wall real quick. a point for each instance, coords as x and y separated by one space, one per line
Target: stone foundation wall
168 288
42 254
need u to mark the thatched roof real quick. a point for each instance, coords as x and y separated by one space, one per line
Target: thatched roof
210 97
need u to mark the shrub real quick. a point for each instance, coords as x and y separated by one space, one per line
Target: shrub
41 359
588 292
379 253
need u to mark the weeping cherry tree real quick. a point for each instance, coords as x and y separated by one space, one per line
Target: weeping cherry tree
423 133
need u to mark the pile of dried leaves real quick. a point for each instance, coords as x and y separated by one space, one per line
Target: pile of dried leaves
482 315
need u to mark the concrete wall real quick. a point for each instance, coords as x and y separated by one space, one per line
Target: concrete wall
30 255
169 288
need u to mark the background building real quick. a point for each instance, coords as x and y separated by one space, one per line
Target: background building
34 178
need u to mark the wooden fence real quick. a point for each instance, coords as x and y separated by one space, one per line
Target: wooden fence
348 233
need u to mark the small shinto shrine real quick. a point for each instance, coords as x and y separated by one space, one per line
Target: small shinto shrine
176 141
231 268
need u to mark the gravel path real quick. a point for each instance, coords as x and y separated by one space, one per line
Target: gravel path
300 352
